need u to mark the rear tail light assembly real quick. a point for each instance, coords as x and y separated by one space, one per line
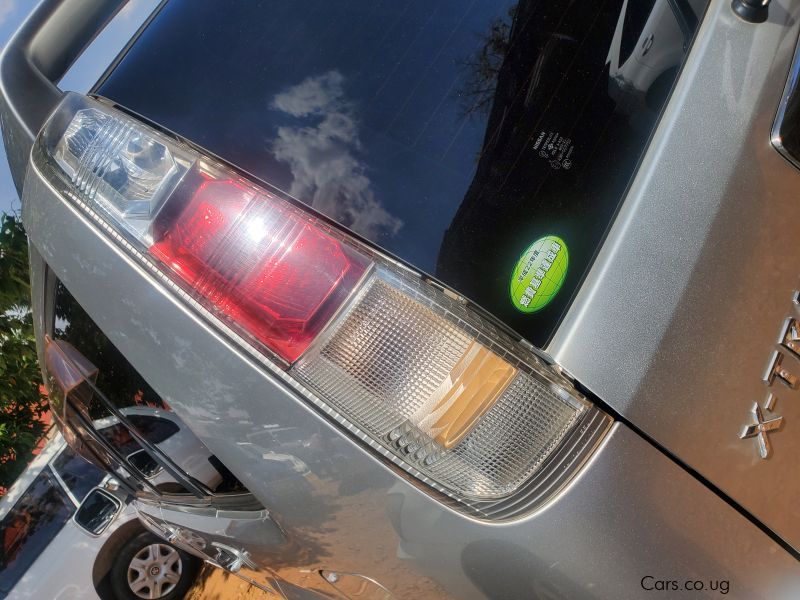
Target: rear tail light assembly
403 364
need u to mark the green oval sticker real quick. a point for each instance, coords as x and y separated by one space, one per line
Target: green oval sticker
539 274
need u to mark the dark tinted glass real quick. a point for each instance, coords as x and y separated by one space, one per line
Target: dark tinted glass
144 463
97 511
30 526
453 134
153 429
79 475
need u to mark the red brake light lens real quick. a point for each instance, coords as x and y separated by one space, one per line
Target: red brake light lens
270 269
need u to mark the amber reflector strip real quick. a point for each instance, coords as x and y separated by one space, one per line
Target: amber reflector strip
474 384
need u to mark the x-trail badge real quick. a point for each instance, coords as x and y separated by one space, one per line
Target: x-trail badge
761 428
788 343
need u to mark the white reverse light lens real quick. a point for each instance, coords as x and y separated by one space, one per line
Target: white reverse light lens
119 168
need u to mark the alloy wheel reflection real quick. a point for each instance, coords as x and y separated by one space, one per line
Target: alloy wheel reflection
154 571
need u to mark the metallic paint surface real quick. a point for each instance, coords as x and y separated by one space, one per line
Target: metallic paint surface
682 309
630 513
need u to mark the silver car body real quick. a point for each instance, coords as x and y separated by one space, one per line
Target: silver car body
673 329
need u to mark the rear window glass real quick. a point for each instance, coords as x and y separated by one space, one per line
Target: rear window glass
452 134
29 527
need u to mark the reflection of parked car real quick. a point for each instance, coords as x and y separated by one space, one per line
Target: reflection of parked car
63 499
165 429
66 532
640 55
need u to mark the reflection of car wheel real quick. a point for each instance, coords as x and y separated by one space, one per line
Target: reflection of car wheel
148 567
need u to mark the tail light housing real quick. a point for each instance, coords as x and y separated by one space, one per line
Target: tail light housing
403 364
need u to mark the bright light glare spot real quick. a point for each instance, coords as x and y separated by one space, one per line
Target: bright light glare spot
256 230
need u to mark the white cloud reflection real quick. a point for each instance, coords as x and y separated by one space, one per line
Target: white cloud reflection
320 154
